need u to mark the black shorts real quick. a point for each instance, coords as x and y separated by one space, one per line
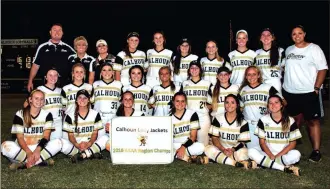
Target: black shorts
306 103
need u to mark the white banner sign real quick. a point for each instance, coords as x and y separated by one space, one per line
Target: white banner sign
141 140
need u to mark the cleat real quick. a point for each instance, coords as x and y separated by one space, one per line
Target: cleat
48 162
77 157
202 159
97 156
192 159
254 165
293 170
245 164
16 166
315 156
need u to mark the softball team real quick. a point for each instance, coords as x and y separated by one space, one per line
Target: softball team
185 88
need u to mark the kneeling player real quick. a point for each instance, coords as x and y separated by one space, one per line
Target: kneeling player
277 134
229 133
185 124
82 126
32 126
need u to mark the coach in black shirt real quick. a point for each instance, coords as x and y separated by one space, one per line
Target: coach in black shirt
53 53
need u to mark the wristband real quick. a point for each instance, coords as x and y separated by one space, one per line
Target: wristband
43 143
188 143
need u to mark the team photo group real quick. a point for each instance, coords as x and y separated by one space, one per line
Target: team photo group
243 110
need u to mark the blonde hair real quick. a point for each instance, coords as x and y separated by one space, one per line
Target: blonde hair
78 65
245 81
80 38
217 56
27 110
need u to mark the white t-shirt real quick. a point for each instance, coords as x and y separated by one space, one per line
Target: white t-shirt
301 67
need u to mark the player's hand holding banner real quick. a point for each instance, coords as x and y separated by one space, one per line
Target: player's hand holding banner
141 140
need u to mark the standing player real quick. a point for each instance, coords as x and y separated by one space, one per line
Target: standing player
212 62
80 45
305 71
161 99
129 57
32 126
198 92
241 58
107 92
53 101
221 89
157 58
181 62
82 126
69 91
103 57
185 125
254 95
277 134
269 59
141 92
229 133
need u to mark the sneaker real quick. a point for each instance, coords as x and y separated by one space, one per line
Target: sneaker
48 162
315 156
254 165
202 159
192 159
15 166
246 164
77 157
293 170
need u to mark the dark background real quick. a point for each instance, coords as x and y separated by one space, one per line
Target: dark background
198 21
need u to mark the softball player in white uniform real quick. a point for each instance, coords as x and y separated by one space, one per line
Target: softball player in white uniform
277 134
157 58
241 58
198 92
181 61
129 57
32 126
53 102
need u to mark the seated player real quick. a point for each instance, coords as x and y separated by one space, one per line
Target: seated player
229 133
32 126
277 134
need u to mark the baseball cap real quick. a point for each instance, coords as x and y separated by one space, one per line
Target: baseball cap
185 40
133 34
223 69
241 31
268 29
101 41
83 92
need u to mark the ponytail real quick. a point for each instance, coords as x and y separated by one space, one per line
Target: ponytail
27 116
215 95
127 53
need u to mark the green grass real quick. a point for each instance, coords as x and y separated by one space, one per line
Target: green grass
102 174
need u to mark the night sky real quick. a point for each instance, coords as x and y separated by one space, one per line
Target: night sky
198 21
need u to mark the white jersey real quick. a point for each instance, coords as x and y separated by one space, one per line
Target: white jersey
231 89
162 98
230 134
156 60
183 71
198 95
301 67
141 94
263 62
183 125
239 61
123 63
106 96
53 102
85 125
210 68
254 100
276 139
32 135
69 93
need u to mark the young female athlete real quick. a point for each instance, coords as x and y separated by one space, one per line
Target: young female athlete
157 58
221 89
277 134
78 82
185 125
53 101
107 92
241 58
32 126
129 57
269 59
212 62
161 99
141 92
82 127
180 63
229 133
254 95
198 92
